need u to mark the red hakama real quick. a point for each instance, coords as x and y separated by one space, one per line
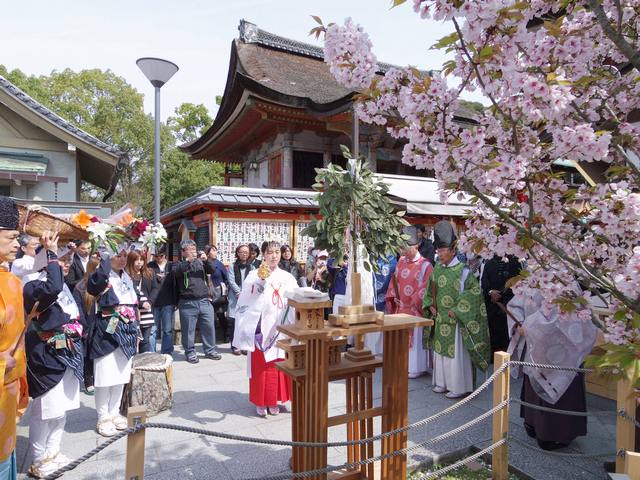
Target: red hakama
267 385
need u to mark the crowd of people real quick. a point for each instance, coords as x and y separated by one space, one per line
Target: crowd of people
88 314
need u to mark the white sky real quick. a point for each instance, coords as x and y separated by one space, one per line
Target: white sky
38 36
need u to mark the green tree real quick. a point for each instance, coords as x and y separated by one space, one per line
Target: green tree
190 122
473 106
180 176
355 201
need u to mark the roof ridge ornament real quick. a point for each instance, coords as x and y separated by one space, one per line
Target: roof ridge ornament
248 31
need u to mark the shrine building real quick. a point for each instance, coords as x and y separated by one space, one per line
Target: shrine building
282 116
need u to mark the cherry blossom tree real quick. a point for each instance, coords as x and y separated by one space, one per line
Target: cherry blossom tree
562 78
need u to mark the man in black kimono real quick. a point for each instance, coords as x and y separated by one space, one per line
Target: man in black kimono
494 277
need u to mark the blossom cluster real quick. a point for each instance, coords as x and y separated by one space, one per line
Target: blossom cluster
121 227
348 52
153 235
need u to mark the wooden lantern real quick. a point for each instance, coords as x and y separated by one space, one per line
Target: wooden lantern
294 353
335 350
310 312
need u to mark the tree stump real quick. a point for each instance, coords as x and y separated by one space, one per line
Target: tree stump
151 383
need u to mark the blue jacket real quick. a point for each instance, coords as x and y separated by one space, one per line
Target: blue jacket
386 269
47 364
219 274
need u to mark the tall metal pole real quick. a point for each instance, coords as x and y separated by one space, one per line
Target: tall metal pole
355 147
156 163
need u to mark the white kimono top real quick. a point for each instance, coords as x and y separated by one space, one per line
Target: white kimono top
550 340
263 301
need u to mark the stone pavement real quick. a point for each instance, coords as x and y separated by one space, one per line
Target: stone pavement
214 395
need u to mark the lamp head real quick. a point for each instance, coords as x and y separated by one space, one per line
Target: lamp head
157 70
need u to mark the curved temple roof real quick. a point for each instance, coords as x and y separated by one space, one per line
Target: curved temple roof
280 70
56 119
100 163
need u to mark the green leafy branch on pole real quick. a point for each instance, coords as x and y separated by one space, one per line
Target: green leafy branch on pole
354 210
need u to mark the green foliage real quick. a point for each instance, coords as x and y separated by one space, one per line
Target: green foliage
190 122
445 41
473 106
476 470
106 106
618 361
182 177
357 204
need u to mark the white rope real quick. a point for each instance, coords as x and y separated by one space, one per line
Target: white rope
168 360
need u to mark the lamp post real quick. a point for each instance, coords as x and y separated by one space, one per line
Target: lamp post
158 72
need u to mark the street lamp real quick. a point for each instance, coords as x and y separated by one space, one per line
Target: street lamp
159 72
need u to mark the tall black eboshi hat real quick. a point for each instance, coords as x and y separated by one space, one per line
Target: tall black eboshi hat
444 236
9 217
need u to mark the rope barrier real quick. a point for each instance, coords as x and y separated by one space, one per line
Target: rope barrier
608 413
626 416
548 367
263 441
420 423
95 451
395 453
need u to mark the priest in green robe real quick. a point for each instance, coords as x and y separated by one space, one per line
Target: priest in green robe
460 337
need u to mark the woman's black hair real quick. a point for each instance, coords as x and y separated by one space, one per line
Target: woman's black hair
253 248
283 249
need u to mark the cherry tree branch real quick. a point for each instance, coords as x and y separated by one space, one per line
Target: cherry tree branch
474 65
616 38
556 250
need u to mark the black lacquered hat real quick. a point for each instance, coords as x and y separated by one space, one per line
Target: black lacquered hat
9 216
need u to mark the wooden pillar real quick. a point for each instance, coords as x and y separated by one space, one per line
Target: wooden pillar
351 450
287 160
369 393
362 405
359 393
297 424
632 465
500 456
135 444
395 387
625 430
316 406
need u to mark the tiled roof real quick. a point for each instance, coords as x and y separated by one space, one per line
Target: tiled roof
55 119
250 33
247 197
418 195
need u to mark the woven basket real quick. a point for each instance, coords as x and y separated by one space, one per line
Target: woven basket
34 222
